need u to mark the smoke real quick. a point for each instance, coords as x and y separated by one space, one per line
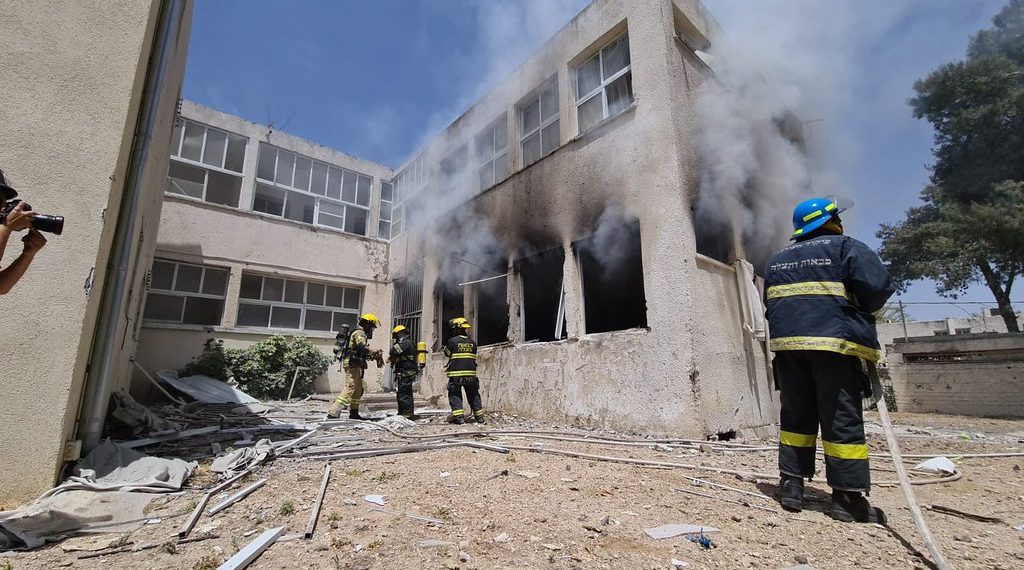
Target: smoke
614 243
776 125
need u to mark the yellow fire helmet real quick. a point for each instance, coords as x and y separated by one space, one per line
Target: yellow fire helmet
370 318
465 324
398 329
457 322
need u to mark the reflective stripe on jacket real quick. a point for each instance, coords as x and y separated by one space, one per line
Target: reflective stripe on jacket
403 357
821 293
358 349
461 353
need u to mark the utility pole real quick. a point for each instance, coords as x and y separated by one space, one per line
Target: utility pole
903 317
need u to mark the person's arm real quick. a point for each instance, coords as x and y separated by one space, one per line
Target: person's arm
9 276
866 277
17 219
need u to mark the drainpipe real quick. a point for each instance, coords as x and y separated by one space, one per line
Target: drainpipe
101 369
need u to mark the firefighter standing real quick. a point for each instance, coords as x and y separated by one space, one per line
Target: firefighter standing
821 293
403 357
461 353
354 363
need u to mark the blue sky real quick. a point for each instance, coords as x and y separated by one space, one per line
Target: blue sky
377 78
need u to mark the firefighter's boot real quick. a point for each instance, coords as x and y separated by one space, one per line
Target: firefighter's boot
791 493
457 420
852 506
353 414
334 412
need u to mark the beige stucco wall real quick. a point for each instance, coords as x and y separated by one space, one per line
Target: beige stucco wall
73 80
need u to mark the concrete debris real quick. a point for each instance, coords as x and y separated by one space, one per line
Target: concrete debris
962 538
528 474
503 537
239 460
679 563
552 546
94 543
464 557
937 465
396 423
444 474
375 499
671 530
432 543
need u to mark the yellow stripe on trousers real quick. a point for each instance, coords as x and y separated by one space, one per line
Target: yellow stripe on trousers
845 450
793 439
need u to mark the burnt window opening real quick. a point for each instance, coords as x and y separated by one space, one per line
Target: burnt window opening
407 304
612 272
543 296
714 236
449 305
492 306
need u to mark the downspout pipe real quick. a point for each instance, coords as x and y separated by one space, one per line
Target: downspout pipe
101 370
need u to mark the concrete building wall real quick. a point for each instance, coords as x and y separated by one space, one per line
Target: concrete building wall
73 82
967 374
240 239
889 332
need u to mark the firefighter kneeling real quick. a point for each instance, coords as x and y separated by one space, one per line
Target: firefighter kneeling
821 293
354 359
461 353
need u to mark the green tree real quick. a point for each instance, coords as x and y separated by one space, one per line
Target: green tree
969 227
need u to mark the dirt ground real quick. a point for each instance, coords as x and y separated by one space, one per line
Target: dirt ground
558 512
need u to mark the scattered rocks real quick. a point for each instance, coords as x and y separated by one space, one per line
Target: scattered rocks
773 521
962 538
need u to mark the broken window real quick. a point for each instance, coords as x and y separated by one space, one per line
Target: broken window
611 269
186 294
492 304
604 84
449 305
538 118
275 302
492 153
407 304
206 163
304 190
714 236
543 302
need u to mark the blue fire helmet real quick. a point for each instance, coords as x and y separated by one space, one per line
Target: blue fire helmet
810 215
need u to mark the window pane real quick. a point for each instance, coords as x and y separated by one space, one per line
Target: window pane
285 167
215 282
387 191
223 188
302 168
294 291
487 175
615 56
500 168
285 317
530 116
253 315
235 158
549 103
192 147
385 210
334 296
319 182
185 179
549 138
314 294
501 134
363 191
351 298
317 320
384 229
485 145
590 113
163 275
188 279
331 214
531 149
203 311
265 164
328 220
273 289
348 187
620 94
355 220
588 77
300 207
334 184
163 307
269 200
216 143
349 319
251 285
176 137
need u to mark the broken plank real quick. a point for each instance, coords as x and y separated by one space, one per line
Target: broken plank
287 446
145 547
237 497
252 551
313 516
198 511
486 446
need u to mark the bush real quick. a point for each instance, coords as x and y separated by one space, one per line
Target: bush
265 369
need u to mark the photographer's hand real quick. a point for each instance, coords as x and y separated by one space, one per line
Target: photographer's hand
18 219
34 241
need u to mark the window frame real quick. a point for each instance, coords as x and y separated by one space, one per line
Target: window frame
407 183
391 212
309 193
602 88
175 156
173 293
491 161
543 123
303 307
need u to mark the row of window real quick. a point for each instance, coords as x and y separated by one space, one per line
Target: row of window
184 293
207 164
604 88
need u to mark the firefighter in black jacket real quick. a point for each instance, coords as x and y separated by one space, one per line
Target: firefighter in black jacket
403 363
820 294
461 353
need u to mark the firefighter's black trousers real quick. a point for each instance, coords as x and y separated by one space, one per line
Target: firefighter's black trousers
823 388
472 387
405 398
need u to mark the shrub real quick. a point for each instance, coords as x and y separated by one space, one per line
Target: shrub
265 369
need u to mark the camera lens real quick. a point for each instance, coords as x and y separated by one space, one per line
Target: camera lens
49 224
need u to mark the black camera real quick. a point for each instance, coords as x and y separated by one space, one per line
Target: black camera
42 222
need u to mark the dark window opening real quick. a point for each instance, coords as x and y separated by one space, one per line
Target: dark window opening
714 236
492 307
612 272
449 306
543 305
